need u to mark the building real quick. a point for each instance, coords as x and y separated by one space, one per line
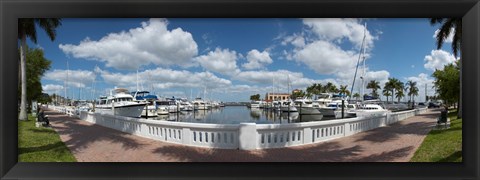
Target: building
276 96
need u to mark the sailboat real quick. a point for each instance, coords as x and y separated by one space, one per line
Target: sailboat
370 108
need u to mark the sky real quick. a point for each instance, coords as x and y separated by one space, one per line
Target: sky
232 59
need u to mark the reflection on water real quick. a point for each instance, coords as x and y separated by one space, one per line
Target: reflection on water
239 114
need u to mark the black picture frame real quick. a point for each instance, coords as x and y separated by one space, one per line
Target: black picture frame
10 11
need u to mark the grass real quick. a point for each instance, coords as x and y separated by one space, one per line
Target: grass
41 144
442 145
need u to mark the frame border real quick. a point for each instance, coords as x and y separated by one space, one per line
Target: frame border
11 10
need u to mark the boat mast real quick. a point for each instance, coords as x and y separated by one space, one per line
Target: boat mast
288 85
362 49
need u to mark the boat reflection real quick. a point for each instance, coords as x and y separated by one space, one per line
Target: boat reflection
236 115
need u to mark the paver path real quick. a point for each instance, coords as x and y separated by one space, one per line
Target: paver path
93 143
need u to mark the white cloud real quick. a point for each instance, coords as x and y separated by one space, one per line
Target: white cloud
151 43
325 58
220 61
76 78
437 59
423 79
296 40
256 59
161 78
449 38
337 29
52 88
278 78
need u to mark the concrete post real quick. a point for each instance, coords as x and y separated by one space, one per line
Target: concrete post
186 136
247 136
307 135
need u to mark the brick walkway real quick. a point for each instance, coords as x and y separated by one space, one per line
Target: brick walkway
93 143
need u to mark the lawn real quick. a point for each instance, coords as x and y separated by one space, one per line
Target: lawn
41 144
442 145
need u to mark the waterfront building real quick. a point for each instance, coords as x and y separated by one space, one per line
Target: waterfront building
277 96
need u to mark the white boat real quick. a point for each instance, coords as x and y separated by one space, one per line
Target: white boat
254 104
199 104
150 109
322 100
334 109
370 109
162 107
288 106
120 104
306 106
187 106
83 106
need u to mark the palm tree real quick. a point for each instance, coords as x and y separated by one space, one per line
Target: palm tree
26 28
447 24
399 87
399 94
330 88
343 90
391 85
411 89
374 85
386 93
356 96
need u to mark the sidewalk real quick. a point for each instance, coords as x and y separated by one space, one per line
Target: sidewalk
93 143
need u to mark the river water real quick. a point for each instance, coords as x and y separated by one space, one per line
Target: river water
239 114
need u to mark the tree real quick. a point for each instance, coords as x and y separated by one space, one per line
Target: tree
374 85
386 93
447 83
296 94
343 90
393 85
255 97
37 65
412 89
330 88
447 24
399 94
399 87
356 96
26 28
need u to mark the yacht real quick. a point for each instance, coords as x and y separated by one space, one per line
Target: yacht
322 100
145 97
187 106
120 104
162 107
305 106
254 104
199 104
371 109
288 106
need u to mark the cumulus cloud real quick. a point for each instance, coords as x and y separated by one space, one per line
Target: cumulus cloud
161 78
325 58
220 61
257 60
52 88
337 29
296 40
423 79
437 59
76 78
449 38
150 43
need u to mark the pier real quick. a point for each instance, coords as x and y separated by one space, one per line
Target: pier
395 141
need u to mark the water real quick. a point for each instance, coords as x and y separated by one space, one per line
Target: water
239 114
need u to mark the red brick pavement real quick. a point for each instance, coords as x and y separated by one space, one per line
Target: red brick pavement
93 143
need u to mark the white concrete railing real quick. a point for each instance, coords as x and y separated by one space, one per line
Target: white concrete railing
245 136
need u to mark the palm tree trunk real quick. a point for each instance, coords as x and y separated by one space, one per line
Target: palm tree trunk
459 110
23 62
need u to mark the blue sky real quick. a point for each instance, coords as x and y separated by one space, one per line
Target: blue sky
232 59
